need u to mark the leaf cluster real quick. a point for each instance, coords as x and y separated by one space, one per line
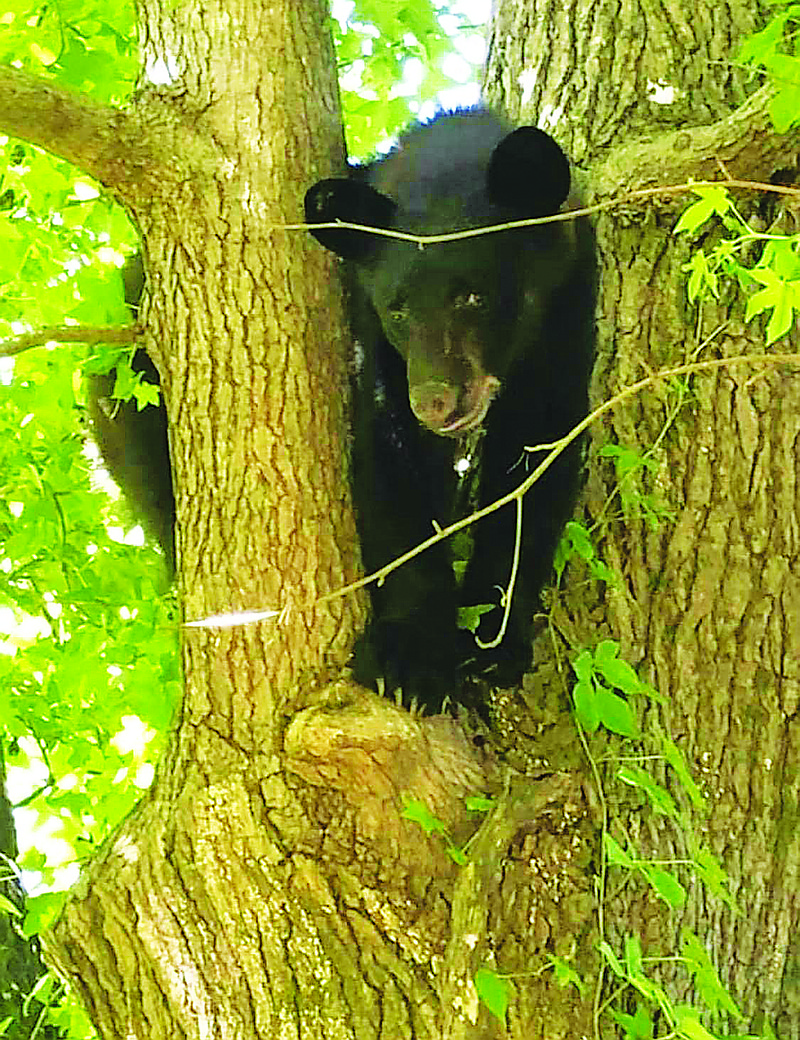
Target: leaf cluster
89 636
576 543
91 641
605 682
770 282
682 1020
391 56
61 242
774 51
83 44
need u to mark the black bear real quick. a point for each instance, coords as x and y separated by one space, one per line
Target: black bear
467 352
133 442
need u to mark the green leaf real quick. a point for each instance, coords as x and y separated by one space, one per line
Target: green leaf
758 47
713 875
565 975
635 1027
713 201
580 539
493 992
8 909
782 297
586 707
583 665
620 674
42 911
633 955
650 990
611 959
601 572
781 256
577 541
145 393
784 108
43 988
701 277
605 652
660 799
688 1025
615 713
666 885
617 856
470 617
478 803
674 757
419 813
706 980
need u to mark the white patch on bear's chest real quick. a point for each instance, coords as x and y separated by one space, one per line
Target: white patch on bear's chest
467 466
467 454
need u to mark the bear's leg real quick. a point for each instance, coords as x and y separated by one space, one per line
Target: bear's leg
402 477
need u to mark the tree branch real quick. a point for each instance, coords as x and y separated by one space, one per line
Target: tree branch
105 142
745 143
68 334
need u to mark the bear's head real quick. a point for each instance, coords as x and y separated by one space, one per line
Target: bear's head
459 313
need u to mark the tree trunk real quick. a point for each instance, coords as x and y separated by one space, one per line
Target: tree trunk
20 955
267 885
708 605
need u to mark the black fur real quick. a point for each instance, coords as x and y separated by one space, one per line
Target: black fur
492 333
133 442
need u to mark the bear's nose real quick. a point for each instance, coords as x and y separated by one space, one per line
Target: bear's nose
433 403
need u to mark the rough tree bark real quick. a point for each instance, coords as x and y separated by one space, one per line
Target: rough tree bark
266 885
20 957
709 604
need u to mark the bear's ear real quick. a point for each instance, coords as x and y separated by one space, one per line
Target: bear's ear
339 198
528 172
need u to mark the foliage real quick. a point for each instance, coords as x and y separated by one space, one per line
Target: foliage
104 638
79 43
630 466
766 265
90 641
652 1005
392 58
774 50
419 813
493 989
576 543
601 673
565 975
682 1021
493 992
58 264
89 634
631 967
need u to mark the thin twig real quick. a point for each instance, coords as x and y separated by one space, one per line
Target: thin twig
571 214
68 334
556 449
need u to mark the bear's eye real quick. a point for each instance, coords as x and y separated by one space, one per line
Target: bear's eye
398 312
466 300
